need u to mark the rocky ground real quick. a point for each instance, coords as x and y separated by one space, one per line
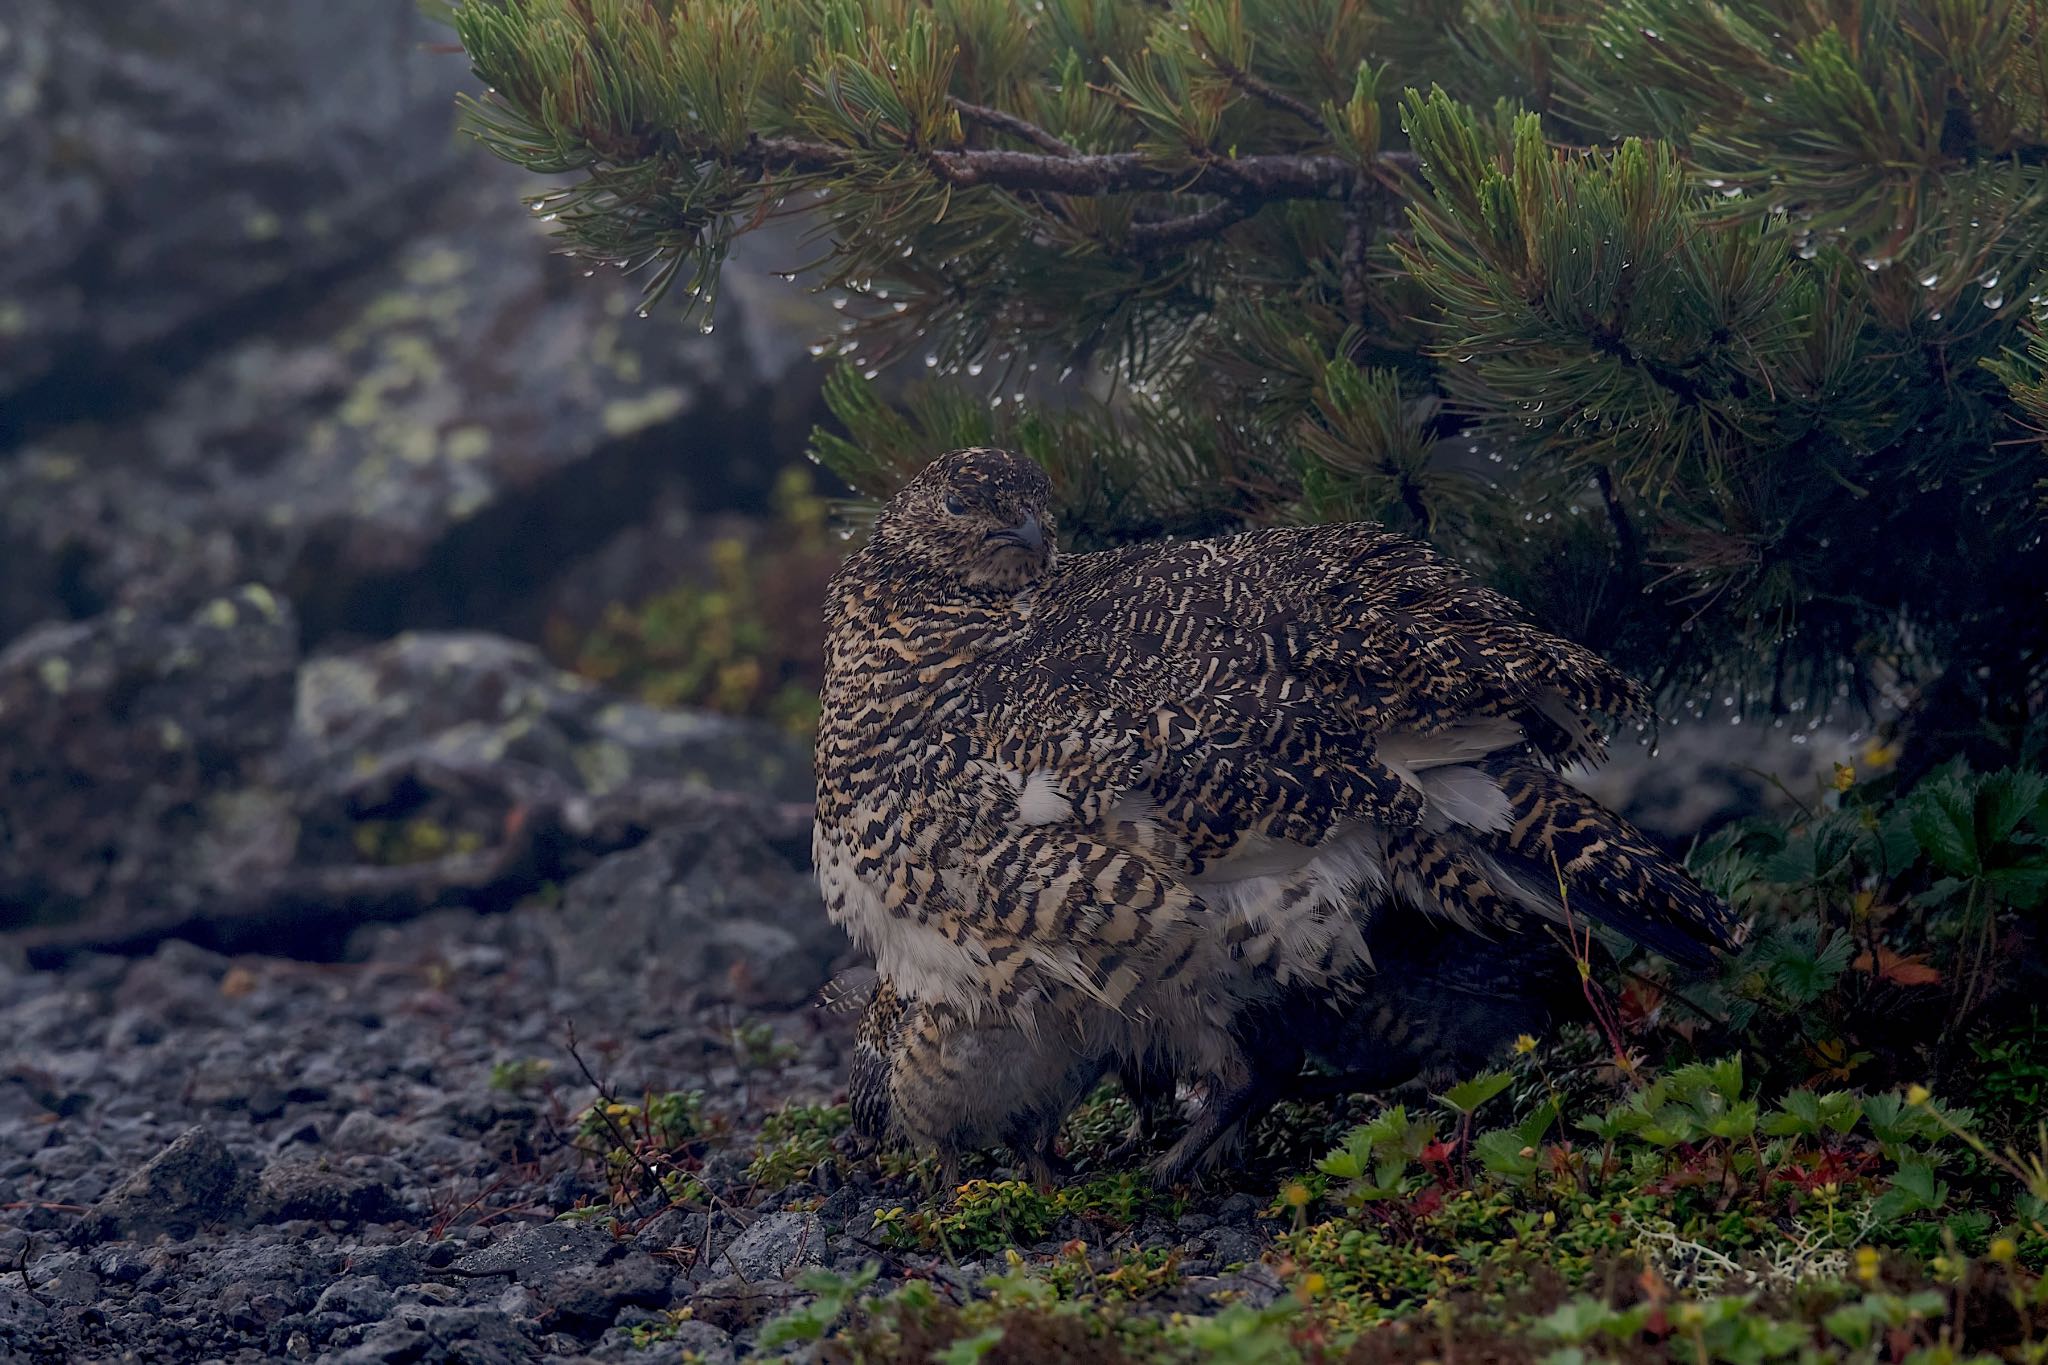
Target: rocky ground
459 898
376 1160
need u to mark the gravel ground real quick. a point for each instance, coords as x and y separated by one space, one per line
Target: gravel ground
204 1158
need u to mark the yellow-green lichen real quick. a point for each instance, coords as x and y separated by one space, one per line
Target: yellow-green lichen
624 416
219 613
466 442
261 598
437 265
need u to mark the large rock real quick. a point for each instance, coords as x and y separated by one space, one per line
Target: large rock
128 746
187 777
170 161
429 443
470 700
705 910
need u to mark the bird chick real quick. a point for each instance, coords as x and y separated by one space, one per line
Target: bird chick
924 1075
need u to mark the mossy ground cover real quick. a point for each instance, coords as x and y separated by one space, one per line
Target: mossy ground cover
1833 1150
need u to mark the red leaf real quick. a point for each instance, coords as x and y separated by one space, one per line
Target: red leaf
1898 969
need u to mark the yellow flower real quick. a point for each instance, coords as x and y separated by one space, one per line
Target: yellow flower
1845 777
2003 1249
1314 1283
1918 1094
1295 1195
1525 1044
1866 1264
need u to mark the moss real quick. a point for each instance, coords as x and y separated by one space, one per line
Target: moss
794 1142
739 636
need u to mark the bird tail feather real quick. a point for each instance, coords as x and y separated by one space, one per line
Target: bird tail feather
1562 855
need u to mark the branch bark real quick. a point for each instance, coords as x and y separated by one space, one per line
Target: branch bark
1004 122
1260 178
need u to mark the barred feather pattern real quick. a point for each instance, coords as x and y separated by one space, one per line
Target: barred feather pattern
1126 797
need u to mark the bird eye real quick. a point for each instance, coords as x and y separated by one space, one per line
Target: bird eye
955 507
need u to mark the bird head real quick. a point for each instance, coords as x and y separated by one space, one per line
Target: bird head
976 519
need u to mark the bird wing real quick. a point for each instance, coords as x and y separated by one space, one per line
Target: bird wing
1277 719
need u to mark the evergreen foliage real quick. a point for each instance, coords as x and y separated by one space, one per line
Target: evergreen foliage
1710 328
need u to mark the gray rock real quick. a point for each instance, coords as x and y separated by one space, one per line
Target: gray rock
777 1246
369 457
65 1276
357 1298
128 739
708 912
584 1302
474 1336
301 1189
193 1181
255 146
538 1256
471 700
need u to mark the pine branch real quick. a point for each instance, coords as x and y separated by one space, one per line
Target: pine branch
1144 238
1269 95
1266 178
1016 127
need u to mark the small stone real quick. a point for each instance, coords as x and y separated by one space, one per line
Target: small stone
356 1299
290 1190
735 1305
778 1246
193 1181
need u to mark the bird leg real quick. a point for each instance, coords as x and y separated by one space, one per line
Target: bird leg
1223 1117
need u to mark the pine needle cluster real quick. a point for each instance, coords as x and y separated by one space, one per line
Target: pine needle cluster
1710 328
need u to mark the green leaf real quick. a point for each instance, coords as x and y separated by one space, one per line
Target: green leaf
1469 1095
1501 1152
1944 815
968 1350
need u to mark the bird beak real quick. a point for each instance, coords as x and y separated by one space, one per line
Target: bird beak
1027 533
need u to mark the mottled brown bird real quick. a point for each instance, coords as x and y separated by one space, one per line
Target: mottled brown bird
1125 801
